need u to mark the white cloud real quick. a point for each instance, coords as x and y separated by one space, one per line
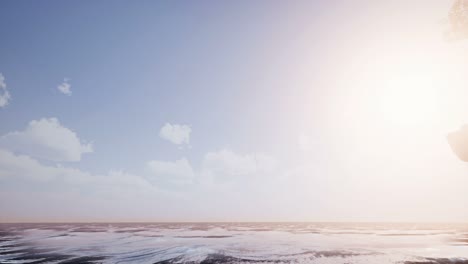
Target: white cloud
24 167
4 94
12 166
65 87
48 139
21 166
178 171
39 192
177 134
229 165
220 166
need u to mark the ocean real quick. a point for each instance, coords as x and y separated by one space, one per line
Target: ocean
210 243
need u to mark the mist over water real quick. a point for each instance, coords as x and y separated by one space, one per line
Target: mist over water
234 243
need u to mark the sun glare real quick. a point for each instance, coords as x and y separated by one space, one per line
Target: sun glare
410 94
410 97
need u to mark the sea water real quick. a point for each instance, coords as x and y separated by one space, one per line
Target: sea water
234 243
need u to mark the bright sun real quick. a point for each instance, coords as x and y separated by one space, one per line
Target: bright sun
410 94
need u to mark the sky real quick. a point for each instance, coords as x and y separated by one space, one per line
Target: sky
231 111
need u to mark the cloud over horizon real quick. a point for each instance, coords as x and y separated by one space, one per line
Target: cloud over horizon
178 171
227 165
85 192
46 138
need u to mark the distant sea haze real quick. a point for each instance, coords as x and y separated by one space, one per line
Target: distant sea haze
234 243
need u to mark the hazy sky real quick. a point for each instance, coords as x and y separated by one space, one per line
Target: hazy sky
230 111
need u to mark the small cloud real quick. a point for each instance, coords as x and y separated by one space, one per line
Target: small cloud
178 171
458 141
4 94
65 87
48 139
177 134
229 165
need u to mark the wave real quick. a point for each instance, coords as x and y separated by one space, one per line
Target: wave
208 243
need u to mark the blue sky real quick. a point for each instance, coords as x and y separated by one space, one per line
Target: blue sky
268 104
139 66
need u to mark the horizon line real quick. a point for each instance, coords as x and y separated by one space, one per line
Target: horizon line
227 222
